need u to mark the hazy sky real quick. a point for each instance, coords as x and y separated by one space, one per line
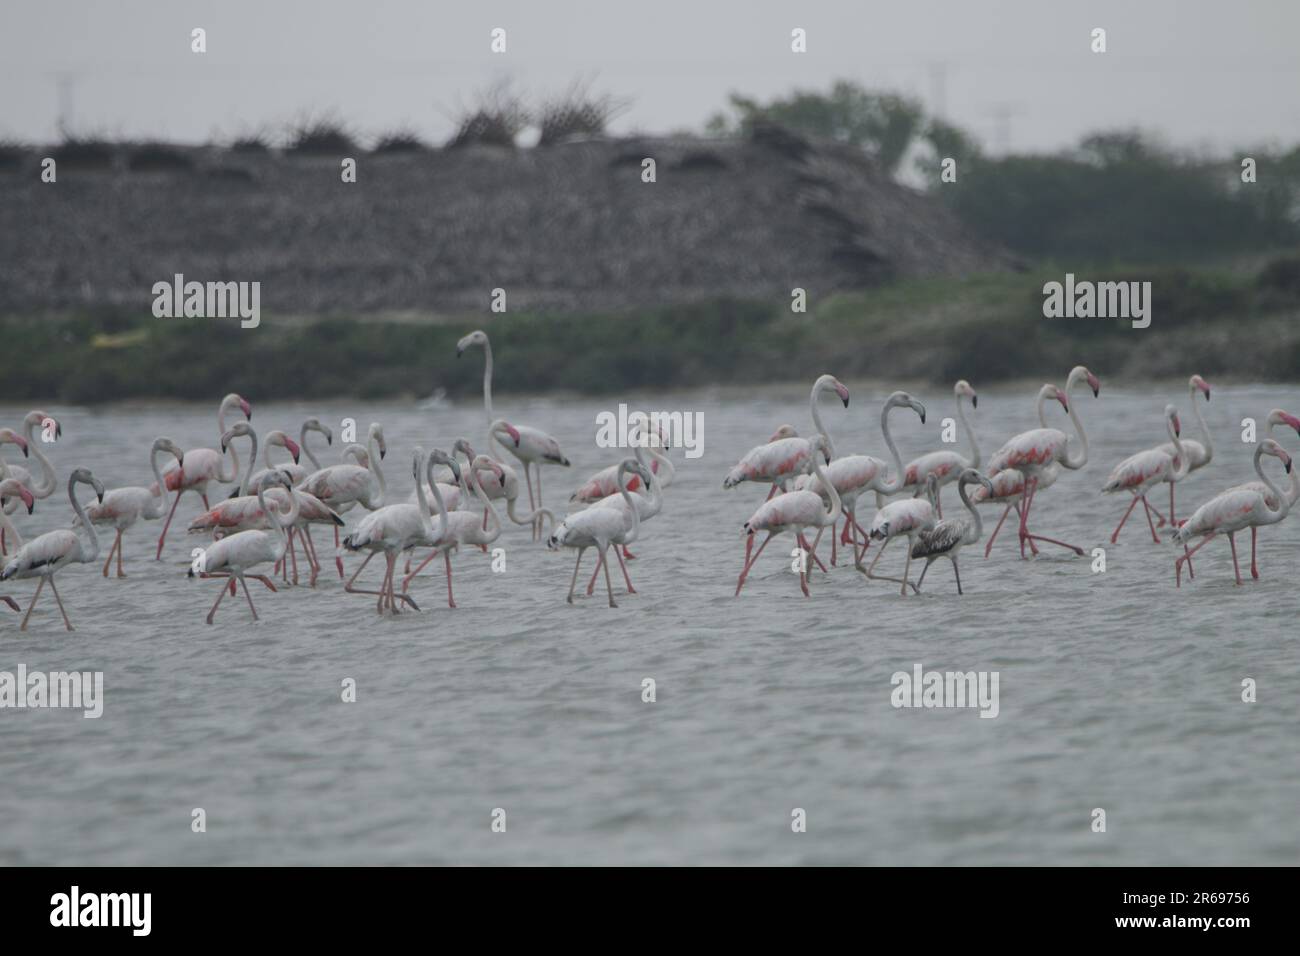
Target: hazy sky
1204 74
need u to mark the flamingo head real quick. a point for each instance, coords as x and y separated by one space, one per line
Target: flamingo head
237 430
1270 447
1279 417
10 437
484 463
314 425
84 476
478 337
1081 372
840 390
963 387
1059 395
377 434
462 446
13 488
44 421
821 443
970 476
440 457
417 461
500 425
785 431
899 399
1200 383
288 443
235 400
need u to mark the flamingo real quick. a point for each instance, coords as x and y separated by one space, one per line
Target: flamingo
1138 473
462 527
1009 485
295 472
1275 417
947 465
9 437
1238 508
503 488
45 485
600 527
533 448
647 507
795 511
605 482
45 556
340 487
950 535
854 475
123 507
396 527
202 466
1033 451
910 517
13 488
786 455
1199 453
234 555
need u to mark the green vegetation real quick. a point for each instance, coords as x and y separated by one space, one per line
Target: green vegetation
988 328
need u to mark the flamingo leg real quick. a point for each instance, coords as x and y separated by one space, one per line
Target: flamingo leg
628 554
338 556
1187 556
109 560
1150 524
162 538
6 599
1232 542
609 585
532 506
267 582
446 558
1254 570
221 592
803 580
750 563
574 581
626 579
989 546
54 587
406 582
537 522
1114 538
957 575
818 540
921 579
812 552
353 590
39 585
204 496
1172 520
309 549
907 568
938 502
244 584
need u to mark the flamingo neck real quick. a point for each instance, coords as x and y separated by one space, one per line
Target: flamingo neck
889 487
84 522
818 388
1200 424
48 480
302 443
372 449
977 526
158 494
1271 516
244 489
670 470
1069 460
494 521
1184 464
426 522
442 508
970 433
836 506
631 507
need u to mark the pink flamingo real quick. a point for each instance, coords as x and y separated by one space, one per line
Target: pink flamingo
605 482
945 464
462 527
1137 474
795 511
9 437
950 535
1032 451
854 475
45 556
910 517
786 455
1275 417
295 472
233 556
533 448
391 529
123 507
1238 508
203 466
340 487
13 488
1199 453
600 527
1009 485
41 487
648 505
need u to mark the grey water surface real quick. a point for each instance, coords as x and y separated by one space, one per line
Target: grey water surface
1116 690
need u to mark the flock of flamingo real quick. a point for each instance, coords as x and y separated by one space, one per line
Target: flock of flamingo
268 517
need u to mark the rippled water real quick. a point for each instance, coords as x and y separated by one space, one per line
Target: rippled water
1116 690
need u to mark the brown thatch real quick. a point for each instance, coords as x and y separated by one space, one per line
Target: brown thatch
565 227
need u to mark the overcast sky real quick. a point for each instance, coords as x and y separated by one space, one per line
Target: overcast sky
1205 74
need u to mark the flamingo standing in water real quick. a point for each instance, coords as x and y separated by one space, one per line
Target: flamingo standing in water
340 487
9 437
795 511
123 507
910 517
1033 452
45 556
462 527
945 464
854 475
786 455
950 535
600 527
1275 417
391 529
604 483
203 466
1009 485
1238 508
234 555
1138 473
1199 453
533 447
43 486
647 505
13 488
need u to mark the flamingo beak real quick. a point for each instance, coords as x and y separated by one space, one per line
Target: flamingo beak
974 401
1095 383
844 395
294 450
1294 423
22 443
514 434
1064 404
1178 426
58 429
29 499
